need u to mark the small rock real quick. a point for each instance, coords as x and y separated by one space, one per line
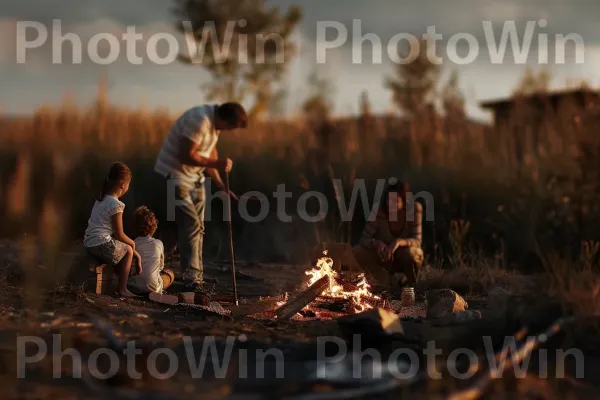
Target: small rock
498 298
444 302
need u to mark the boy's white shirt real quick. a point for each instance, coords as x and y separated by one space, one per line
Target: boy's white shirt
152 252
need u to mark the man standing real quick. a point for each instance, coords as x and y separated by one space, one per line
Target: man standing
187 154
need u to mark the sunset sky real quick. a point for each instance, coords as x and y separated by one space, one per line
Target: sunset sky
175 86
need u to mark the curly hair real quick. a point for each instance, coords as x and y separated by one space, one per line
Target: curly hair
145 222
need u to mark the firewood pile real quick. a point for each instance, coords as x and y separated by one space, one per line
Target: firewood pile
328 296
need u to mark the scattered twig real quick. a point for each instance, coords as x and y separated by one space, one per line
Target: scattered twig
477 390
500 357
88 299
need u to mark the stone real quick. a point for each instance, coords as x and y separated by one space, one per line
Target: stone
444 302
498 298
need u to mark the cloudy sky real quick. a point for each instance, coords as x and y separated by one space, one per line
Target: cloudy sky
39 81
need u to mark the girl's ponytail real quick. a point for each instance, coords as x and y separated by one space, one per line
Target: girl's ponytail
119 173
105 184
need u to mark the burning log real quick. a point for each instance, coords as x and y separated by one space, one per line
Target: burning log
303 299
336 295
328 314
375 302
348 287
333 304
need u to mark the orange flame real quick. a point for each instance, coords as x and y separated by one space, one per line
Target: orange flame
325 268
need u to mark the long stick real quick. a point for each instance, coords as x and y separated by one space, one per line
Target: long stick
235 293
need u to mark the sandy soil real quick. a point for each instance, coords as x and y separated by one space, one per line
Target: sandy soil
86 322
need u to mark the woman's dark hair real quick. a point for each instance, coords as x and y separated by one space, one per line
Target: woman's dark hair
118 173
234 114
400 188
145 222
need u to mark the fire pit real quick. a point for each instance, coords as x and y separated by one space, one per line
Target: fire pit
327 296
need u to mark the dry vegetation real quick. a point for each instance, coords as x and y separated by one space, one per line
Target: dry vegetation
504 199
497 216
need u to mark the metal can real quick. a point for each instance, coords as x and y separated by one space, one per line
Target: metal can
408 297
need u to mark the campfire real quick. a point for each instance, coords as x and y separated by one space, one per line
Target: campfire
328 295
360 294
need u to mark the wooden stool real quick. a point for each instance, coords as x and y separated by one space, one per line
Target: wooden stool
91 275
105 278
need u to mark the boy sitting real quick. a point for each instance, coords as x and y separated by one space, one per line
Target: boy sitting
154 277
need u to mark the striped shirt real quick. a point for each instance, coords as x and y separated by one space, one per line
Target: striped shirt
198 125
379 228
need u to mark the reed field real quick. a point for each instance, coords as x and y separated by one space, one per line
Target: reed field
515 208
510 196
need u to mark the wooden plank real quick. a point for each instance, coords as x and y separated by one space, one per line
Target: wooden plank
103 280
257 308
303 299
99 282
167 299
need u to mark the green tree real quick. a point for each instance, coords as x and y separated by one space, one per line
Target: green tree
245 45
414 83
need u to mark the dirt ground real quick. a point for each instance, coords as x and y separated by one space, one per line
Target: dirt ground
86 323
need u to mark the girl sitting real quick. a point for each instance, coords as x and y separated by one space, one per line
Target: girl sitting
104 236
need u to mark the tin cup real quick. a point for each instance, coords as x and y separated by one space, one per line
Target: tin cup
408 297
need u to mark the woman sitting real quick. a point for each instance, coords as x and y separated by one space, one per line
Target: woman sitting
390 247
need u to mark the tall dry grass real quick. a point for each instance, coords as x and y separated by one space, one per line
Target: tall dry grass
531 185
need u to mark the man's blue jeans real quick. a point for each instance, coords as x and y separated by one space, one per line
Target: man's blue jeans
189 217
